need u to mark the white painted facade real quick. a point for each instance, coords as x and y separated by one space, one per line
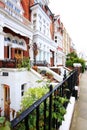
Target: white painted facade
14 21
44 2
15 80
42 36
58 38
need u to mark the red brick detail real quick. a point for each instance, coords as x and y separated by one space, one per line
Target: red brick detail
2 4
12 53
5 52
25 53
31 2
52 30
25 5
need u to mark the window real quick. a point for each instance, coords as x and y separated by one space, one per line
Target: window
44 29
7 39
9 4
40 4
56 41
14 41
21 43
47 31
48 12
43 20
34 24
39 55
34 27
15 1
17 51
55 37
12 6
40 28
39 16
22 89
47 25
40 25
35 1
17 10
34 15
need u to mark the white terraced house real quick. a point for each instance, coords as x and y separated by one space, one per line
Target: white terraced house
23 24
15 34
42 20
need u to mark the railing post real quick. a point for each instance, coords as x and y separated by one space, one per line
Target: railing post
54 106
26 123
50 109
64 75
45 115
37 118
75 87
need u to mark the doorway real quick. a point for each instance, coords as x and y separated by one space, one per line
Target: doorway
51 58
7 101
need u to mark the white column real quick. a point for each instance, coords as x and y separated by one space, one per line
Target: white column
48 57
31 52
1 43
41 55
2 99
55 59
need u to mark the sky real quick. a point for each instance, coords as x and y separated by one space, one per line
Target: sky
73 14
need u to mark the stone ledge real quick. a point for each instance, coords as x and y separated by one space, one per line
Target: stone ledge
68 116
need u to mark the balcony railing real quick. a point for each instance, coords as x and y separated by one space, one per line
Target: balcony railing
13 11
47 101
41 63
13 63
8 63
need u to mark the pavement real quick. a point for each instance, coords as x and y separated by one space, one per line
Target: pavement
79 120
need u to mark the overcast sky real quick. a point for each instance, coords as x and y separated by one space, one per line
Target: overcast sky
73 14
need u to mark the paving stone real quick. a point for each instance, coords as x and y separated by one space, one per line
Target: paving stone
79 120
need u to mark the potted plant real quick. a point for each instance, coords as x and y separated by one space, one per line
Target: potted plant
35 67
49 75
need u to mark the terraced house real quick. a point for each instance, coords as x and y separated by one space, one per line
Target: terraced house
26 26
15 35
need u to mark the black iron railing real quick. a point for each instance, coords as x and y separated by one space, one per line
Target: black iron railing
41 63
47 100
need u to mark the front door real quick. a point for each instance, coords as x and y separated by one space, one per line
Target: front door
7 101
52 58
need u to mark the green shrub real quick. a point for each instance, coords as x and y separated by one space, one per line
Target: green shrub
69 63
4 124
25 63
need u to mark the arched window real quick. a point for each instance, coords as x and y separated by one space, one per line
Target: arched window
15 40
8 37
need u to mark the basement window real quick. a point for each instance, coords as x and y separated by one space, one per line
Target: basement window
34 15
22 89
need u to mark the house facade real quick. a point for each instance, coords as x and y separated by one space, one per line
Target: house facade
24 24
58 38
15 35
42 20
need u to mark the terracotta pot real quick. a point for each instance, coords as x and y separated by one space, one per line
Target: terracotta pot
35 68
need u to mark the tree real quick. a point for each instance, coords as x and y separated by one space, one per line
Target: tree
73 58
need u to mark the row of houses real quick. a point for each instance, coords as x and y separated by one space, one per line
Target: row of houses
27 26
